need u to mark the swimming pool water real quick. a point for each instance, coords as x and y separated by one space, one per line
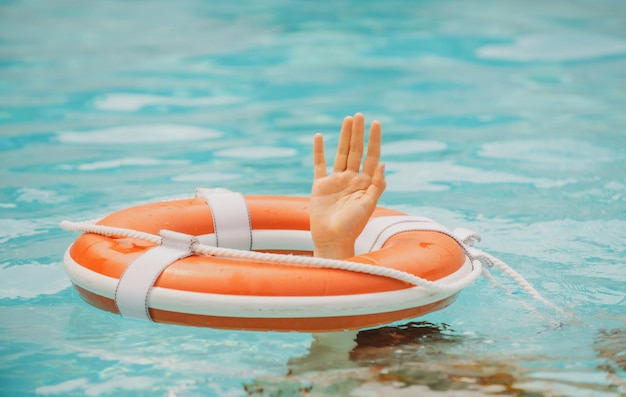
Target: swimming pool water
503 117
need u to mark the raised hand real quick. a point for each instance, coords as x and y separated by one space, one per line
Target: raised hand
342 202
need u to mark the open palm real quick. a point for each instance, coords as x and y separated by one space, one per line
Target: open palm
342 202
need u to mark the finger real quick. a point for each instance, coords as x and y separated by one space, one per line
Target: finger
319 161
376 189
343 147
373 149
356 143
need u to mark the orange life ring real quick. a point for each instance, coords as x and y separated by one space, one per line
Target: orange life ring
231 293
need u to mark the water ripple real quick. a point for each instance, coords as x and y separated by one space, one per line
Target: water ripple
412 147
565 241
124 162
157 133
434 176
134 102
575 153
565 46
114 384
257 152
31 280
15 228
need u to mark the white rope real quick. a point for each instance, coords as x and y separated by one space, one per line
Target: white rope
309 261
465 237
281 259
492 261
468 238
508 291
91 227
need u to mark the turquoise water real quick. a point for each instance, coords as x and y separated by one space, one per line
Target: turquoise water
503 117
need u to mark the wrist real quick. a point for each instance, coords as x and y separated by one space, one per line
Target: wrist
334 250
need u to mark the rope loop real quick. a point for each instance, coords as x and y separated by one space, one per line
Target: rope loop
468 237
